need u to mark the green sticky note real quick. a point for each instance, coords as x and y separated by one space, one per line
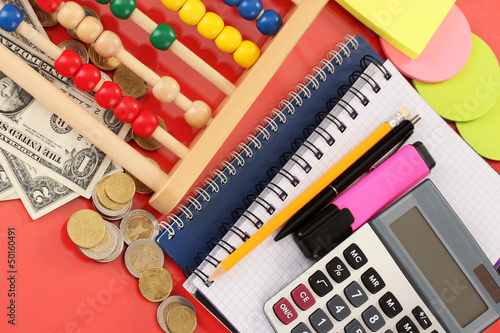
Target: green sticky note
472 92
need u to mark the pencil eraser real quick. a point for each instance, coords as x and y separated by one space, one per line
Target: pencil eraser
405 112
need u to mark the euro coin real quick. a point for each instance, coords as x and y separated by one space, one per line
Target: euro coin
181 319
155 284
120 187
105 247
139 224
118 248
104 199
149 143
77 47
105 64
140 187
166 306
86 228
130 83
143 254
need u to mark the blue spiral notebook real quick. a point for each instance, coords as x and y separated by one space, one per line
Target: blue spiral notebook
198 224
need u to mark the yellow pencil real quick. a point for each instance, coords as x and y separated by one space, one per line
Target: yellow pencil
307 195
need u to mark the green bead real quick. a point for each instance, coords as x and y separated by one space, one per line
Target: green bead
123 8
163 36
103 2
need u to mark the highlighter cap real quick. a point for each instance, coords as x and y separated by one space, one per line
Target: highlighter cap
424 153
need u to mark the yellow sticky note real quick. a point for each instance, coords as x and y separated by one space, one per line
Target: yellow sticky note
407 24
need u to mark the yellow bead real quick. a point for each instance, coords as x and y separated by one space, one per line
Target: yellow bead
89 29
192 11
108 44
166 89
228 40
246 54
174 5
70 15
198 114
210 25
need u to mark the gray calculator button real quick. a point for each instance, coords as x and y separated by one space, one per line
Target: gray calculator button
355 294
373 319
389 331
320 321
354 327
338 308
301 328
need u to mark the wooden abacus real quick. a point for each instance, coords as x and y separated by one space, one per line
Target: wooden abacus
170 189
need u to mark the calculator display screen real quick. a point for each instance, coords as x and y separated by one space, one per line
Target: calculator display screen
438 266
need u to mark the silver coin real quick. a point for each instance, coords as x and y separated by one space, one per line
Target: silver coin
100 252
160 315
77 47
143 254
139 224
88 12
119 246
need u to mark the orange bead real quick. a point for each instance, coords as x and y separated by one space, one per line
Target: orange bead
108 44
89 29
228 40
70 15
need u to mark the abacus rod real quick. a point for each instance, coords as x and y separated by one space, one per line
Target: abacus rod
83 122
169 141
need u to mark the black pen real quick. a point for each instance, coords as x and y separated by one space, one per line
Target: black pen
398 135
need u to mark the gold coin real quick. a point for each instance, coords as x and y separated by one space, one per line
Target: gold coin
120 187
86 228
46 19
181 319
149 143
105 64
155 284
104 199
131 83
139 186
88 12
77 47
169 308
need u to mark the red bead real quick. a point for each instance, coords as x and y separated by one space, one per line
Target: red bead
127 109
87 77
68 63
108 95
145 124
49 6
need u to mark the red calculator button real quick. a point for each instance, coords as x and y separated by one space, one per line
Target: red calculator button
303 297
285 311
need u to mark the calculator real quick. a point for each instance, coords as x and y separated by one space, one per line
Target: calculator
413 268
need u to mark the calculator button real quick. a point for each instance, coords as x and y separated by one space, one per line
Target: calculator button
354 327
320 283
338 308
355 294
405 325
390 305
373 319
301 328
320 321
303 297
421 317
372 280
285 311
354 256
389 331
337 270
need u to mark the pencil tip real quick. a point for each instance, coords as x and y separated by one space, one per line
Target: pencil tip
217 273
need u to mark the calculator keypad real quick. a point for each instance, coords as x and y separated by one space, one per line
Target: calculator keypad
356 288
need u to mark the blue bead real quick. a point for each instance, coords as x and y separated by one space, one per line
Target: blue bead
10 18
269 23
250 9
232 3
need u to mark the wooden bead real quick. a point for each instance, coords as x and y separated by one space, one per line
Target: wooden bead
89 29
108 95
145 123
228 40
166 89
210 25
163 36
87 77
108 44
68 63
10 17
49 6
192 11
174 5
127 109
269 23
246 54
122 9
70 15
250 9
198 114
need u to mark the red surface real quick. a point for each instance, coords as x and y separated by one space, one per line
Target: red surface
57 288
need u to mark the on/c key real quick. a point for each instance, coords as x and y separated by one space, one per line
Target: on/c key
285 311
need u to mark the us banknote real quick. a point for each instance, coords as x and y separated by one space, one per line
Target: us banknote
6 187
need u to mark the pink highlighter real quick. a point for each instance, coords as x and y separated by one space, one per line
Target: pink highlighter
358 204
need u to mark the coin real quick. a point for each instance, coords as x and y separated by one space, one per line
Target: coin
105 64
120 187
86 228
47 20
118 248
77 47
155 284
138 224
149 143
143 254
131 83
104 199
139 186
88 12
181 319
105 247
167 305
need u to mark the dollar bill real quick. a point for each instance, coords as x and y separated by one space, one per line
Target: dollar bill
37 136
6 187
13 196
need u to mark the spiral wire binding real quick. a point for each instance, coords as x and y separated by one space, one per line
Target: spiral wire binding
226 227
202 256
238 212
221 243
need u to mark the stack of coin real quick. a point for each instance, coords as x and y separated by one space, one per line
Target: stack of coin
112 197
109 248
139 224
86 228
155 284
139 186
77 47
143 254
176 315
